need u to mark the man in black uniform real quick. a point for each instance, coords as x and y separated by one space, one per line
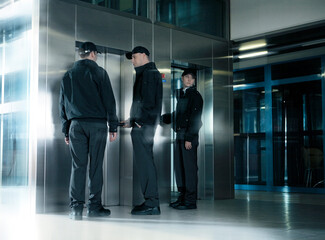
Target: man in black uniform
187 123
87 103
144 117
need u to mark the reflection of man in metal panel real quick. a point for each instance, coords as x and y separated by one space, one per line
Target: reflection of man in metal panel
87 103
187 123
144 117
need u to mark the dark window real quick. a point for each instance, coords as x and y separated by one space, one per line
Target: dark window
136 7
297 135
296 69
249 139
249 111
249 76
207 16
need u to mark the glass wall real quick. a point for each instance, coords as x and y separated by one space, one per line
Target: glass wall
136 7
249 109
15 65
207 16
297 134
287 150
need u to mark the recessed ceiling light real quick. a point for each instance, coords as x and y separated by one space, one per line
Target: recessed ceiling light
252 45
253 54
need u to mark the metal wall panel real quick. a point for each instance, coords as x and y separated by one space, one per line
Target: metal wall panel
39 156
191 48
126 153
56 56
103 28
162 44
162 147
223 122
205 150
143 35
111 188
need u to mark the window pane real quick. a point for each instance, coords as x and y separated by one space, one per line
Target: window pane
15 149
297 135
1 68
16 86
249 111
249 76
15 44
207 16
296 69
136 7
249 126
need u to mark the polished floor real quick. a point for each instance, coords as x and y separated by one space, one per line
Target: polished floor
251 215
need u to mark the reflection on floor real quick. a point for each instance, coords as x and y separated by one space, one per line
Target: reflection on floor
251 215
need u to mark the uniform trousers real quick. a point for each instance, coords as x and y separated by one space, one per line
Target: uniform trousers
143 140
87 139
185 166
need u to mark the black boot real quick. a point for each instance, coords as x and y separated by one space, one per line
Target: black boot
180 198
102 212
76 213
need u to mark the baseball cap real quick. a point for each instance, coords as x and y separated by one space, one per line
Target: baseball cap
189 71
88 47
138 49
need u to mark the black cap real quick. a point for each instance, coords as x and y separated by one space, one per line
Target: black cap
189 71
88 47
138 49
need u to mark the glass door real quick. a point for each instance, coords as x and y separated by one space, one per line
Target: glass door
298 135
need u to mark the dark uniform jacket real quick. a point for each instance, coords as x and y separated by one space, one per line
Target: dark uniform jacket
86 94
187 117
147 96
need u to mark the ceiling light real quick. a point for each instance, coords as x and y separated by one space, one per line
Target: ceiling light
252 45
253 54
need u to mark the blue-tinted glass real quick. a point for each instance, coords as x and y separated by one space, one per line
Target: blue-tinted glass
249 76
249 111
207 16
298 135
16 51
249 140
15 149
296 69
136 7
16 86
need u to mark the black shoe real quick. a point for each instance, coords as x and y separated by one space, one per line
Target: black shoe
145 210
102 212
137 207
186 206
176 203
76 214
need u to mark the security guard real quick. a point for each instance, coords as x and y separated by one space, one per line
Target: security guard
187 123
87 103
144 118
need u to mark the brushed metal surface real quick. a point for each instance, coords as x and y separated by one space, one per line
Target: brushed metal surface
63 24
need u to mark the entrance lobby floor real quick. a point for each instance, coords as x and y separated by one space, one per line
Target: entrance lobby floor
251 215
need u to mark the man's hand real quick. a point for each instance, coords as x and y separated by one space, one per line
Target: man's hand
112 136
188 145
126 123
66 139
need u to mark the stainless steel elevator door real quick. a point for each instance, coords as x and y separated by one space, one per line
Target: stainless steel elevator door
111 167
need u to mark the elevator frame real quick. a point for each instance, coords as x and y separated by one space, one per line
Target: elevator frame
61 25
